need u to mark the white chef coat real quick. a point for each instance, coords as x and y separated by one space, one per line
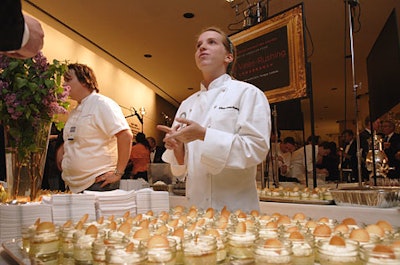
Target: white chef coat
286 157
297 163
221 170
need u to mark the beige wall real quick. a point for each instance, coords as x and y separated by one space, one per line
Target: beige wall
115 80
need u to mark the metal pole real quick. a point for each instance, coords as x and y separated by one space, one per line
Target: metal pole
355 87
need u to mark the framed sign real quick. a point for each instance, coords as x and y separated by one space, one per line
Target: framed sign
271 56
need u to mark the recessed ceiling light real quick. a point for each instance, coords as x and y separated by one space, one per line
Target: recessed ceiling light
148 55
188 15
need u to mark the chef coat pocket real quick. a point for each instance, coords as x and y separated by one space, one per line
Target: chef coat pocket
225 119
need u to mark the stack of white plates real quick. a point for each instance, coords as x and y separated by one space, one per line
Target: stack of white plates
71 207
116 202
14 217
159 201
143 200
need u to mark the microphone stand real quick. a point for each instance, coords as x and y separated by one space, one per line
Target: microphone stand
137 115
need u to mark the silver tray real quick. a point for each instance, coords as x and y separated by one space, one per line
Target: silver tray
293 200
14 249
378 197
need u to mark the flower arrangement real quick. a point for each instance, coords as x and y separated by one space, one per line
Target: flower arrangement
31 95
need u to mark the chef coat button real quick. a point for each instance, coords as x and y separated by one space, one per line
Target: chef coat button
190 110
209 126
215 107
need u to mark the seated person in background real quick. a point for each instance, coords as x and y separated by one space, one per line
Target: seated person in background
302 158
155 151
328 165
280 157
140 157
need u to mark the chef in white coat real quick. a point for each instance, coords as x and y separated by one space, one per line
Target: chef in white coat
221 133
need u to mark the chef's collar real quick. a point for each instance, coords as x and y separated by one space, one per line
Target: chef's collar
218 82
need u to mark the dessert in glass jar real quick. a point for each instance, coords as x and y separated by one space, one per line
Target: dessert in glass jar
132 254
45 244
302 248
27 232
222 240
338 251
240 243
380 253
200 250
100 246
83 241
273 251
161 250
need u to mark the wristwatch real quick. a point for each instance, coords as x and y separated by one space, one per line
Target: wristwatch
118 173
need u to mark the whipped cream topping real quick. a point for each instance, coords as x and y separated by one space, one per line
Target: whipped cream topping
273 255
200 246
247 237
380 261
348 253
301 249
120 256
85 240
160 254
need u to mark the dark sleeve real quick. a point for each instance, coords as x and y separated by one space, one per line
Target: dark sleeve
11 25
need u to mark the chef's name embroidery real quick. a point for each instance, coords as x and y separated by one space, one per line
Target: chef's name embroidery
229 107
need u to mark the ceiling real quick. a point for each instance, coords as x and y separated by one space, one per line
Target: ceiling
129 29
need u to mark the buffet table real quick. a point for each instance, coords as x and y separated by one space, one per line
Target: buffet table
366 215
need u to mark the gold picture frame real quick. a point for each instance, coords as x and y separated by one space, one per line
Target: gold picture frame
271 55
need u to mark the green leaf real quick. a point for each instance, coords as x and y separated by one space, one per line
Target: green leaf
20 82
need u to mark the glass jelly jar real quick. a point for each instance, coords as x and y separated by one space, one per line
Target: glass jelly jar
200 250
119 255
277 254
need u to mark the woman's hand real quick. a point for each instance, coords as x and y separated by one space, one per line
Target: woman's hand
170 143
188 131
173 144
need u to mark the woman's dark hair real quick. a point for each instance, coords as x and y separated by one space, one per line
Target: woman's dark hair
84 74
289 140
141 139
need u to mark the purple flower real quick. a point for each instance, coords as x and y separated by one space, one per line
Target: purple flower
27 108
4 61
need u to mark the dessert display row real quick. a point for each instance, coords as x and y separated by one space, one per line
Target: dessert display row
188 235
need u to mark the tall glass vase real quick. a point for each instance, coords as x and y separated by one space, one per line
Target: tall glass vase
25 167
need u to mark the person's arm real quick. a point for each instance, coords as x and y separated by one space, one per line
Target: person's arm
124 142
11 25
34 41
59 156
